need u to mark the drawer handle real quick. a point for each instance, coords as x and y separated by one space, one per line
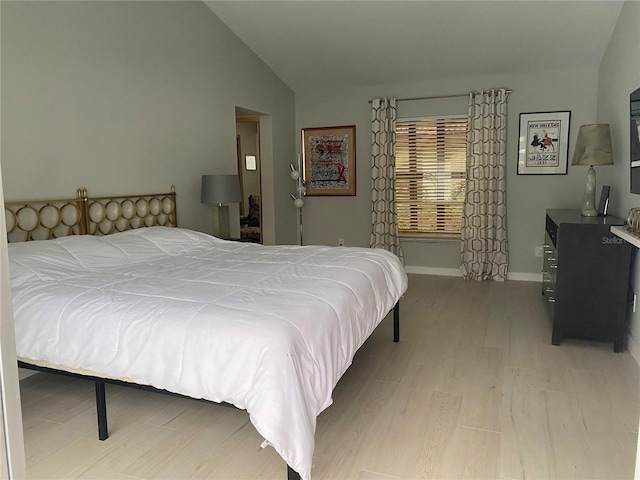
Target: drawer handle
551 300
553 265
548 290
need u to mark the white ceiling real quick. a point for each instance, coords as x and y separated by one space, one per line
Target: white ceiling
350 43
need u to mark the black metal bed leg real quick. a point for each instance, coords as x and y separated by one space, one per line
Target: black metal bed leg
396 322
292 474
101 407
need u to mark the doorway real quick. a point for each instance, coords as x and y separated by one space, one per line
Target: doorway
249 172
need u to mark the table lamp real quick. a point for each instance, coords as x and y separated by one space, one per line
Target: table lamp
593 147
221 190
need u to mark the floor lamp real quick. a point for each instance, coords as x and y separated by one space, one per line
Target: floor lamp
296 175
220 190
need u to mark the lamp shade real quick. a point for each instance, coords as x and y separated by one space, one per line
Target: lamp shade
220 189
593 146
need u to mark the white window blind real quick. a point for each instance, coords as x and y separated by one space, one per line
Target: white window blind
430 176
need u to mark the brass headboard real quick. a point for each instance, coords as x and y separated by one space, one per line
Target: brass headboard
47 219
107 215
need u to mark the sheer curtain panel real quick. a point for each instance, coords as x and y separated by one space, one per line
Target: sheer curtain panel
384 218
484 248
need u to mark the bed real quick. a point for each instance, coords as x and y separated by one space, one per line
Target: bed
267 329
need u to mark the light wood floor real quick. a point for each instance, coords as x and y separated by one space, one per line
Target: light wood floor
473 390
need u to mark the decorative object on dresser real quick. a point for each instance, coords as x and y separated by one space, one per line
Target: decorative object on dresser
631 230
603 205
593 147
585 277
633 220
220 190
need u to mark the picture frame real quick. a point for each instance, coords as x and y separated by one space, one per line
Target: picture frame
543 143
329 155
603 205
250 162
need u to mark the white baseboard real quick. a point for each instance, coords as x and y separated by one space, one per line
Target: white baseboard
456 272
524 277
445 272
634 348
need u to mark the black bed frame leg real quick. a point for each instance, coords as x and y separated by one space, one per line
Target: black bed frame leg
396 322
292 474
101 407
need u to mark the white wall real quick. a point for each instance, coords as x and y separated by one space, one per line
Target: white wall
12 459
328 218
131 97
619 76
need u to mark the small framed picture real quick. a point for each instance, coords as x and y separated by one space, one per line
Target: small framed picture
329 160
543 143
603 205
250 162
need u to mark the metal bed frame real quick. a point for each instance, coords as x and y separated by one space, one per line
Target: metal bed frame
101 397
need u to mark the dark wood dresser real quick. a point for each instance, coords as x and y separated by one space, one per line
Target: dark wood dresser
585 277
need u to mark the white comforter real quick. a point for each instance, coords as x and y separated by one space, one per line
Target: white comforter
268 329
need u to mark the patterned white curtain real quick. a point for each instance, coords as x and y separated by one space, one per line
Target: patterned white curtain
384 218
484 220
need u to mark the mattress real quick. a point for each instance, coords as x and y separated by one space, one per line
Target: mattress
268 329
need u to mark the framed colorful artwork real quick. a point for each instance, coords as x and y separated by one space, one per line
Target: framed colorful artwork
543 143
329 160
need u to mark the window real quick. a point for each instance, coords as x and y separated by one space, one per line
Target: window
430 176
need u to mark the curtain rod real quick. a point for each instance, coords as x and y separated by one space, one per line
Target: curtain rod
436 96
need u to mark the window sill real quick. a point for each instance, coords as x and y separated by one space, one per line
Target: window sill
434 239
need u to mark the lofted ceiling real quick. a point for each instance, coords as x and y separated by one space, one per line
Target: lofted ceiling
311 43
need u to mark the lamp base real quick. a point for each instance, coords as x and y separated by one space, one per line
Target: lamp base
221 222
589 197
